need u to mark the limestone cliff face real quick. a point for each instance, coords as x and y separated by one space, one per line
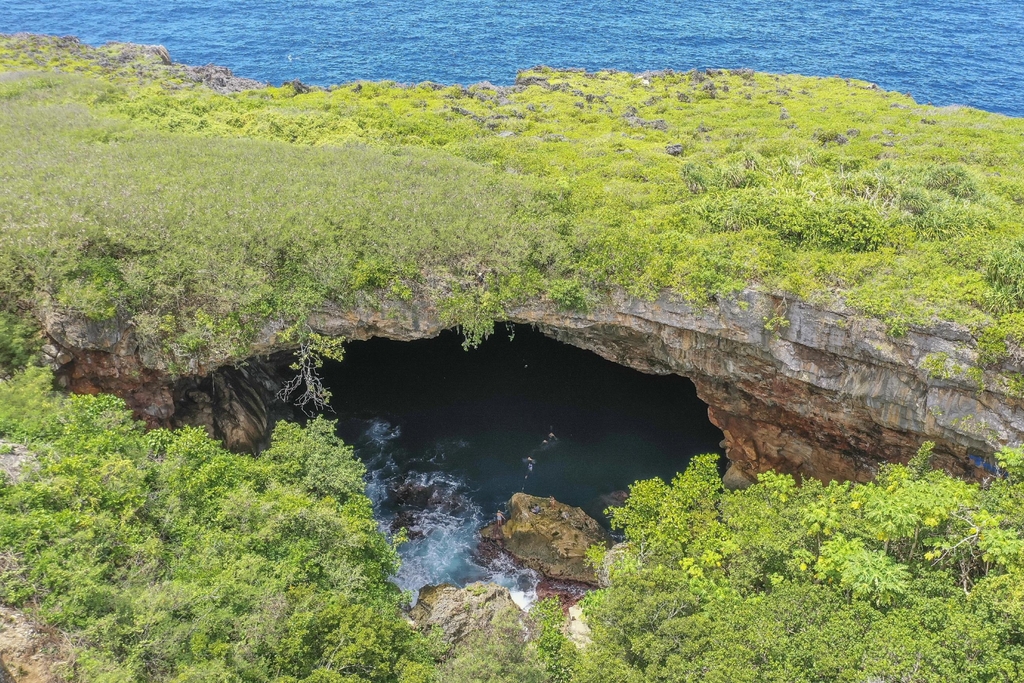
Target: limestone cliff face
825 394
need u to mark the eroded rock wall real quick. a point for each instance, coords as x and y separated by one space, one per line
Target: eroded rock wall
795 387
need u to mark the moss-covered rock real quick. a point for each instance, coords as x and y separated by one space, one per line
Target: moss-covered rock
550 537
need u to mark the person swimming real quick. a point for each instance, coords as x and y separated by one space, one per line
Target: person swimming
529 463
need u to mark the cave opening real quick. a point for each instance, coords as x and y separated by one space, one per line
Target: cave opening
445 434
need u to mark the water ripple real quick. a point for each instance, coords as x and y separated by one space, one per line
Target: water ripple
968 52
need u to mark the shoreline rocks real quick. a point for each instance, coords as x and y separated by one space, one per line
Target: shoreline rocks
549 537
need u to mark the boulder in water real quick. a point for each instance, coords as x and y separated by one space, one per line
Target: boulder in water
459 612
550 537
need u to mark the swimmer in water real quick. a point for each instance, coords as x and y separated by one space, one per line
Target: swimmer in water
529 464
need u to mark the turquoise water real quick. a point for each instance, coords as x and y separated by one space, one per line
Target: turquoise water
965 52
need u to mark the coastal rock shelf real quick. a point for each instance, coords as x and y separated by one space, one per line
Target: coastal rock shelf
795 387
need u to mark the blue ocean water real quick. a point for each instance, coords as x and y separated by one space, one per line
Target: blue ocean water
966 52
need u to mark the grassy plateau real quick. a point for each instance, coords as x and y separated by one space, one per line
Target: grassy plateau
131 190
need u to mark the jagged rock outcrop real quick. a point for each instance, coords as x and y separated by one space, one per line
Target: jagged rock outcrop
549 537
460 612
15 461
237 404
29 652
819 393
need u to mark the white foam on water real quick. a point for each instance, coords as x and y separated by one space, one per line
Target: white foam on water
444 521
521 582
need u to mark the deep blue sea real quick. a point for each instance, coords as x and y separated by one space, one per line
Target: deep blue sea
942 51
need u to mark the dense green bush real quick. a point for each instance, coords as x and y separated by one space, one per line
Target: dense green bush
1006 274
19 343
913 577
167 558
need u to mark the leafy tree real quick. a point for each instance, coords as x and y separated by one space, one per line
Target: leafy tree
19 343
168 558
909 577
555 649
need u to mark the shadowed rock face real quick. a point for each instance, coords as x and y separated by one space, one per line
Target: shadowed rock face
829 395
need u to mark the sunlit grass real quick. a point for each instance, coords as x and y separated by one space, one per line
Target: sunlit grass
133 191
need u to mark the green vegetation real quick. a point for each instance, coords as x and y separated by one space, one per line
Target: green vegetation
502 653
914 577
19 343
131 191
165 557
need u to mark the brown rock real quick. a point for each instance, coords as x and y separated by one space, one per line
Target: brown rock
550 537
735 479
459 612
29 652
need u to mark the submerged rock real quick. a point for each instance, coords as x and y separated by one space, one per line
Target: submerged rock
614 499
459 612
550 537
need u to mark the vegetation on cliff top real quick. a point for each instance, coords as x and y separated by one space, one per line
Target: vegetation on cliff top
131 190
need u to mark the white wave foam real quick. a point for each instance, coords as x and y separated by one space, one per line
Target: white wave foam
441 516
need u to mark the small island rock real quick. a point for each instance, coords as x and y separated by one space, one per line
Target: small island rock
550 537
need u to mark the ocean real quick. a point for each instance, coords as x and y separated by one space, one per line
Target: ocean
965 52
